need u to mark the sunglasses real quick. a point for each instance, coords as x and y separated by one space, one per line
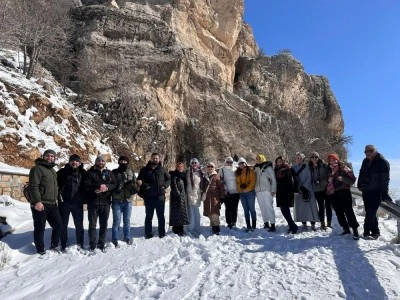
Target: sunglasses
368 151
314 156
194 163
210 167
229 162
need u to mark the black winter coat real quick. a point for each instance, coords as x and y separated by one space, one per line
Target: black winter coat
284 186
374 175
93 180
154 181
178 208
70 184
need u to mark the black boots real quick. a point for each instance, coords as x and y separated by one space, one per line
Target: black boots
272 228
266 225
346 230
216 230
253 225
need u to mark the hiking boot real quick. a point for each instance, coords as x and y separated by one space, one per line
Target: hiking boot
115 242
366 233
329 224
266 225
375 235
41 252
313 227
162 235
148 236
129 241
355 234
345 231
253 225
272 228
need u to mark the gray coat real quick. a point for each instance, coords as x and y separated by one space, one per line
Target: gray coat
305 210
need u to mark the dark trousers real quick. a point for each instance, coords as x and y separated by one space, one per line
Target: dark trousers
372 200
324 204
50 214
77 215
288 216
101 212
342 203
231 208
157 204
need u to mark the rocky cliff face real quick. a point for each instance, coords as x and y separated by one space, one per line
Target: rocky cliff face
185 78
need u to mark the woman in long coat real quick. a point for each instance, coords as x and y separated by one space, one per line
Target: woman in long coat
305 204
213 192
178 209
285 192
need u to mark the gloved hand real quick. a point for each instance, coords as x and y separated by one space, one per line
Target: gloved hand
305 193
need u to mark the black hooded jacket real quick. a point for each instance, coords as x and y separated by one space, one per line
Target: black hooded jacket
93 180
154 181
70 184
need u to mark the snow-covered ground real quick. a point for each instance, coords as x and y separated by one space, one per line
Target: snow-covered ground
234 265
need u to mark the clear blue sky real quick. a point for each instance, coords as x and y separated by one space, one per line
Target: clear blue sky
356 45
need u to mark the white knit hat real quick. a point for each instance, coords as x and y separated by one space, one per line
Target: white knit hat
242 160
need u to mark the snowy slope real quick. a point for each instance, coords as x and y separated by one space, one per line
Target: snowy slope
235 265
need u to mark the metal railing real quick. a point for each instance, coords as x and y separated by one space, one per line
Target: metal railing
390 208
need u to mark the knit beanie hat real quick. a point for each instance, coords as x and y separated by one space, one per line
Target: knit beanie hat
123 157
262 157
75 157
49 151
314 153
333 156
229 159
242 160
99 158
301 155
194 160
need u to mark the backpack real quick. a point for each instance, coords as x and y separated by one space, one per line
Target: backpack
26 191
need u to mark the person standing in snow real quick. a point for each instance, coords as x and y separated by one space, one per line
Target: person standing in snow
319 174
245 183
285 192
43 191
232 197
305 205
179 206
265 190
99 184
194 177
339 182
153 180
213 192
373 182
122 199
72 195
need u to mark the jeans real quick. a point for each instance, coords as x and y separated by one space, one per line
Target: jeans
101 212
124 208
77 214
50 214
152 204
194 226
249 206
324 203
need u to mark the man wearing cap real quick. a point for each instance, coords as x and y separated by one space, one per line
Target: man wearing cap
43 190
232 197
122 199
99 185
194 177
153 180
373 182
72 195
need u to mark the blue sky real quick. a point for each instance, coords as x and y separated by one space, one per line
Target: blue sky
356 45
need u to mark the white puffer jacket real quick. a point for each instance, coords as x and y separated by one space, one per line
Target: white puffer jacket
227 175
265 178
194 192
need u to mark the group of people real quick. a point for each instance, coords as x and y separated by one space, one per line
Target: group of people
312 189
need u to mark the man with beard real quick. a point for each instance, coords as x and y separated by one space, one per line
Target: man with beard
99 184
70 184
122 200
43 190
153 180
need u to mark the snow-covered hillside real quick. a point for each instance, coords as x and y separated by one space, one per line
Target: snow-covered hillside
234 265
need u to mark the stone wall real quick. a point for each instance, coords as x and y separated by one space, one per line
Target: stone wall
11 184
